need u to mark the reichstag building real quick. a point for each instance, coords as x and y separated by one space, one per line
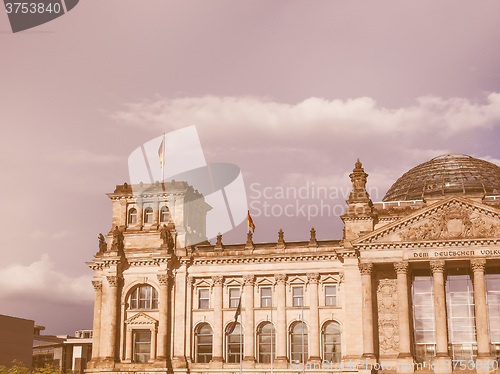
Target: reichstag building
413 285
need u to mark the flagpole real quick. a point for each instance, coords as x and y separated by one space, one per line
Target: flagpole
303 352
163 161
241 335
272 328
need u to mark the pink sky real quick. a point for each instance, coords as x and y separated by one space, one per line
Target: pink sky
291 91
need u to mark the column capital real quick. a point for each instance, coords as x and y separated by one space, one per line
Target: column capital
249 280
280 278
478 264
190 281
401 267
437 266
97 285
163 279
313 278
365 268
217 280
113 280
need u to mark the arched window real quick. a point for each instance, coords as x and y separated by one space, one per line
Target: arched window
330 336
132 216
148 215
164 214
143 297
298 343
203 343
266 342
234 344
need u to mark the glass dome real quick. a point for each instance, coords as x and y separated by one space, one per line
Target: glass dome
453 174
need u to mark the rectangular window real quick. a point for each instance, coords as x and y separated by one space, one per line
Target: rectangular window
423 317
266 297
493 302
331 295
204 298
142 345
298 296
234 297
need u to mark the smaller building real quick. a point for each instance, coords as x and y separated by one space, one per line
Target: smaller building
16 340
64 351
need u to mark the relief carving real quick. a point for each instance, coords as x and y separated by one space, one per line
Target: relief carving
387 304
453 222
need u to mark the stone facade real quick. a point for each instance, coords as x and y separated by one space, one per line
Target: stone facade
344 305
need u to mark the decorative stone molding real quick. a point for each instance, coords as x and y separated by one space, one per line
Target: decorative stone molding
97 285
312 240
313 278
217 280
141 319
401 267
365 268
163 279
478 265
249 280
387 307
113 280
267 259
437 266
190 281
453 219
281 238
280 278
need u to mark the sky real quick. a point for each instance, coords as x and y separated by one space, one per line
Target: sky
291 91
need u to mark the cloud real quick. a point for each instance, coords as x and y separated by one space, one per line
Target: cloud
40 281
319 139
261 116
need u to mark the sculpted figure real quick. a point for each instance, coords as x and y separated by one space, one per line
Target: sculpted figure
166 237
117 239
102 244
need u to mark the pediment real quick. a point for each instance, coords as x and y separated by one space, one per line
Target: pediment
141 319
265 282
453 218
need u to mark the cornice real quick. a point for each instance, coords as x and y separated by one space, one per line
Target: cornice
430 244
265 259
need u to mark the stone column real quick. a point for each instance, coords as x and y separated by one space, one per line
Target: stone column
281 351
163 279
179 360
314 352
189 318
405 360
140 214
442 358
153 343
96 335
481 312
156 214
249 327
366 284
218 334
109 341
128 345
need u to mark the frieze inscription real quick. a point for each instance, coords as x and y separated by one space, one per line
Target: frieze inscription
426 254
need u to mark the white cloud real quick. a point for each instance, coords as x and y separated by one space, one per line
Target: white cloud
319 139
40 280
264 117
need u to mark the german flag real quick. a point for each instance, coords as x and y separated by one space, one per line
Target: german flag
250 222
161 150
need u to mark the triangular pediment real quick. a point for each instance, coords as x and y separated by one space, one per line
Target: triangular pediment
453 218
141 319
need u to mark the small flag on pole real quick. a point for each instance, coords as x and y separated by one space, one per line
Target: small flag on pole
236 315
250 222
160 152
